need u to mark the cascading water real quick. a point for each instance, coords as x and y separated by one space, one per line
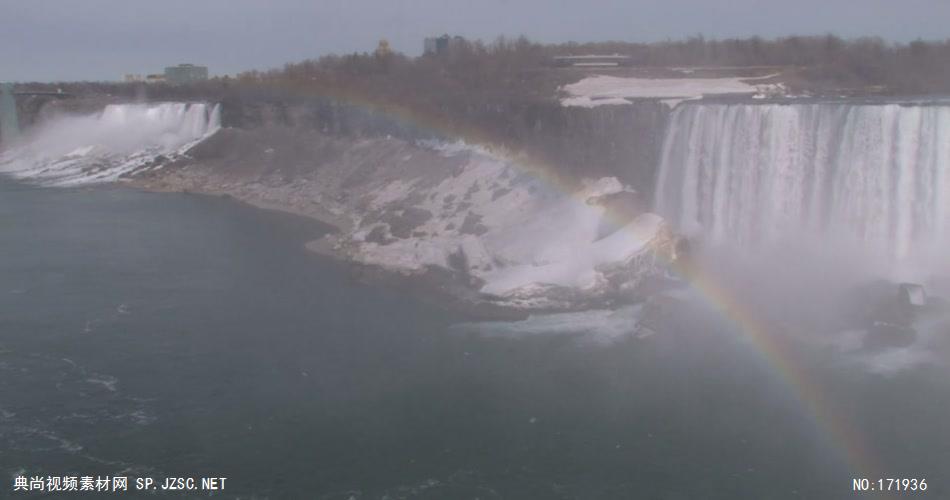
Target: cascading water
121 139
875 176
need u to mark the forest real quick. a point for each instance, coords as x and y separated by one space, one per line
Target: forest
504 91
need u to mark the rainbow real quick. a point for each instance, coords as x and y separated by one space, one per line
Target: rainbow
801 383
827 416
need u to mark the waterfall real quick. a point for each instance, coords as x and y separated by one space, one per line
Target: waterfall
122 139
876 176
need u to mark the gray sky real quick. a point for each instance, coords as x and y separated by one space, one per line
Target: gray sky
103 39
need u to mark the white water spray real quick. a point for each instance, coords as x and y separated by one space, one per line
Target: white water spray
872 176
102 147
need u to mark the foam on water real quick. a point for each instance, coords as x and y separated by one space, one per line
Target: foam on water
75 150
108 383
599 326
50 429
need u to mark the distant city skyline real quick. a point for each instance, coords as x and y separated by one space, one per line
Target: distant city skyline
54 40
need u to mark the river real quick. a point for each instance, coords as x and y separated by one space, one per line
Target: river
163 335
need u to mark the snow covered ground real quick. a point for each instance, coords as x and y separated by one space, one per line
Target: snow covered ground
602 90
518 235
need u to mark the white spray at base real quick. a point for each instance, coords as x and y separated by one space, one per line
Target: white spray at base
870 177
75 150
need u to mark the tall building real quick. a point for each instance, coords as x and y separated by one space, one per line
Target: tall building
185 73
435 45
441 44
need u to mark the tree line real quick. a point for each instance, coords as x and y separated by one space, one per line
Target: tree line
516 65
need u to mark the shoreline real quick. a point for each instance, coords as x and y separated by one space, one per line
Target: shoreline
440 287
450 288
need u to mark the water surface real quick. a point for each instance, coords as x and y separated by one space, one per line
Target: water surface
160 335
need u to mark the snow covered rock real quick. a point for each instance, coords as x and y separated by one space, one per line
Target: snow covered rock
523 241
507 231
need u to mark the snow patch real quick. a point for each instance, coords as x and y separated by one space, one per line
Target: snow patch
602 90
513 233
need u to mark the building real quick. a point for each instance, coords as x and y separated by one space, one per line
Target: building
185 73
383 49
441 44
155 78
133 78
435 45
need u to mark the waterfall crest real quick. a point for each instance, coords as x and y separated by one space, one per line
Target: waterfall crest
876 176
97 148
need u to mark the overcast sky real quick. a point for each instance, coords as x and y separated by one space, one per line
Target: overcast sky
103 39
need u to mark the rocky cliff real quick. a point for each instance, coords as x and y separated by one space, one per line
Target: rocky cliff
554 219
